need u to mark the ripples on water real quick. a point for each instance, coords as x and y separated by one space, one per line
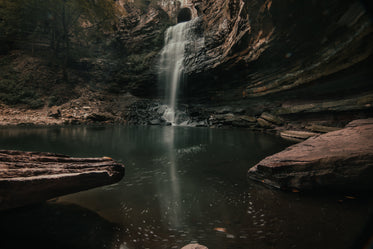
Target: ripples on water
182 185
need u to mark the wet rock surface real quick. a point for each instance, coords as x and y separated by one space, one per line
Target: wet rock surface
340 159
32 177
194 246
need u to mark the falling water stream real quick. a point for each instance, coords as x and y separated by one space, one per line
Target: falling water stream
172 65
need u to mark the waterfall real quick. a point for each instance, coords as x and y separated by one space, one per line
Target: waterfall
172 65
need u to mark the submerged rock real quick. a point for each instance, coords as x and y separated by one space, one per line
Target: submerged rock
341 159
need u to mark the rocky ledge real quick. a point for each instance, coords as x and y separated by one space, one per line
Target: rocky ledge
341 160
89 109
31 177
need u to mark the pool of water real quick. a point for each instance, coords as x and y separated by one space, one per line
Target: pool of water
182 185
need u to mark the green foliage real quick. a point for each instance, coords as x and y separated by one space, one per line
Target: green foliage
60 31
56 24
60 95
135 69
9 24
13 92
137 63
56 100
144 4
17 86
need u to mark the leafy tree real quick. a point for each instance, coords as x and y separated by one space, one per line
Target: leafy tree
60 25
9 24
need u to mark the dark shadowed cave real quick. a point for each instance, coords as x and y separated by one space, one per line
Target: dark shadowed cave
185 14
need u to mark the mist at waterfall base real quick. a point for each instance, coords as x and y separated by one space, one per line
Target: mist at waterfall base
182 185
171 69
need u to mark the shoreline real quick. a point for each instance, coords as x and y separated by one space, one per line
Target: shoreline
98 109
73 114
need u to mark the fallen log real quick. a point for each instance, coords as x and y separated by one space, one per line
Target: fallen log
31 177
340 159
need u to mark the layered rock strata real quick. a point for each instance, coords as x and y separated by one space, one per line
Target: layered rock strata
298 60
272 46
340 159
31 177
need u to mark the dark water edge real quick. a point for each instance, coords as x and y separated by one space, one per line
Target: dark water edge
182 185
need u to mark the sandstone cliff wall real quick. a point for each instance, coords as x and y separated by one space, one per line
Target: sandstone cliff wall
302 60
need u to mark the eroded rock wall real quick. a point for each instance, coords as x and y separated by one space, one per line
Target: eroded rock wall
275 46
305 61
299 59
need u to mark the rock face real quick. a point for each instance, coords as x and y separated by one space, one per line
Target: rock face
304 62
340 159
296 61
297 135
274 46
31 177
139 40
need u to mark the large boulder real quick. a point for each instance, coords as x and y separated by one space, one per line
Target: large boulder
340 159
31 177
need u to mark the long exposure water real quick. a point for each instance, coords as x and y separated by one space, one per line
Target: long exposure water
172 65
182 185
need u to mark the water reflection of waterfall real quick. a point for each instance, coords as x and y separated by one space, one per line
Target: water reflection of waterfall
172 199
172 65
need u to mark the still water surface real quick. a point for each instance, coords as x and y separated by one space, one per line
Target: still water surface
182 185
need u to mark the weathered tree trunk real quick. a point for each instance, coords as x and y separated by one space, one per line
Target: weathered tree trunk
31 177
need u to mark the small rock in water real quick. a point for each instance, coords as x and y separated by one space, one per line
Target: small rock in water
230 236
194 246
155 122
220 229
161 109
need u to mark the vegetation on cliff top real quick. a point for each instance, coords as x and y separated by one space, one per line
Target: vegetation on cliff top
47 47
43 42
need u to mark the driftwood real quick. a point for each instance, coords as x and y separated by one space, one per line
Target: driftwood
31 177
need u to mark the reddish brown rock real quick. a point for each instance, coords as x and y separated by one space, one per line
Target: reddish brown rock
297 135
272 118
31 177
321 128
341 159
194 246
54 112
264 123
